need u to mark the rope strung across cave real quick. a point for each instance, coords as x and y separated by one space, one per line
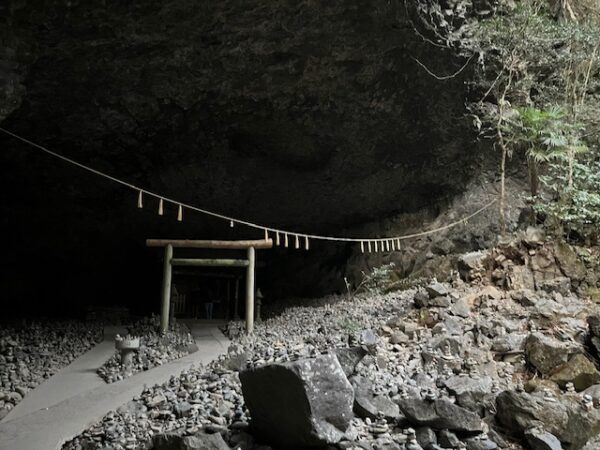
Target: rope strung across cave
391 243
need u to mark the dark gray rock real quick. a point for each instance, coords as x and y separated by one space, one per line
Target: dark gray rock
546 353
499 440
349 358
519 411
566 419
594 324
448 439
426 437
366 404
461 308
421 299
569 262
525 297
562 285
542 440
480 444
299 404
436 290
470 262
199 441
579 370
470 392
182 409
440 414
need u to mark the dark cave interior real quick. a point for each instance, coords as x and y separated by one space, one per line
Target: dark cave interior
308 116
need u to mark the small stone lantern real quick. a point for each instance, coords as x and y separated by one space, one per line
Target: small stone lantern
127 346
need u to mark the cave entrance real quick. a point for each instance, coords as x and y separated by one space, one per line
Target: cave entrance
249 263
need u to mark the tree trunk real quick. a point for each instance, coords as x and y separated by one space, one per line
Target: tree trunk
534 180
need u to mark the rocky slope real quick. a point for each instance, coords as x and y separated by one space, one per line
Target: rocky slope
503 357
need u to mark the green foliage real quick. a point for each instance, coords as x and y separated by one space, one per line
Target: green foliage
379 279
349 326
576 208
548 60
546 135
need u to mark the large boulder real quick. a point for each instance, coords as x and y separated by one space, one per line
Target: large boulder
546 353
579 370
305 403
520 411
569 262
565 418
440 414
470 393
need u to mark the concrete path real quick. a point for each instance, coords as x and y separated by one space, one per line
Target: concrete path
53 416
79 376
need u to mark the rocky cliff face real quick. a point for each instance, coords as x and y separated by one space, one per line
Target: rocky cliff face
305 114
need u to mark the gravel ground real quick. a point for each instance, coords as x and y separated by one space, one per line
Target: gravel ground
32 351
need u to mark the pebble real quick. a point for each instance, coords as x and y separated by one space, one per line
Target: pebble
32 351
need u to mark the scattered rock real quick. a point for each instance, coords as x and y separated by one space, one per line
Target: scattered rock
561 285
461 308
436 290
533 236
440 414
198 441
369 405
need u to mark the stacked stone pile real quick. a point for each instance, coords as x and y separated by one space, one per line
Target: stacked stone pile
155 349
503 357
31 352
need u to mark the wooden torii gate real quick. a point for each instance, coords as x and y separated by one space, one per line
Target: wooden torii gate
170 261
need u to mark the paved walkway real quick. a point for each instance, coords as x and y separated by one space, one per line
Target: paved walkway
75 397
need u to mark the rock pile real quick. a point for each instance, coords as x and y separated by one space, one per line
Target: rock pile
154 350
30 352
504 360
